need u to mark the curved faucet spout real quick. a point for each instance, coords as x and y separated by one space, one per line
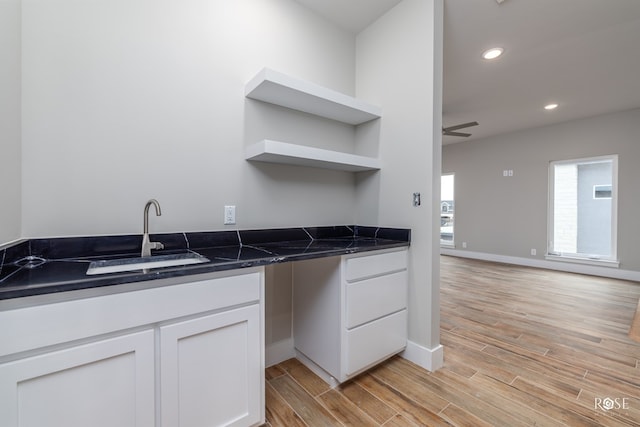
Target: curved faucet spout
147 245
155 203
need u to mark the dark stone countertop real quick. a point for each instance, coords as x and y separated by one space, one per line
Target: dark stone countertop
46 266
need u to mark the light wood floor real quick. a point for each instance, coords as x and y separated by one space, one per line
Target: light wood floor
634 331
522 347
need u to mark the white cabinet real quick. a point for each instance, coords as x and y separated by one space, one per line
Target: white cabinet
100 384
350 312
177 354
211 370
280 89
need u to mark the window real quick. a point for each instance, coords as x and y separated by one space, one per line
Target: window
446 210
583 209
602 191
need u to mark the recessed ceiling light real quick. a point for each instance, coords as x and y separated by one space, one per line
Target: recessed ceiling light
492 53
551 106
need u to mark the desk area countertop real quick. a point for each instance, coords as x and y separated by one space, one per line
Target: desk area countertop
47 266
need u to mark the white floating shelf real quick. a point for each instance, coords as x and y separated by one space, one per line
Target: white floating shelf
299 155
280 89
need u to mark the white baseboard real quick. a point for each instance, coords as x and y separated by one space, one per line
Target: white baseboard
279 352
430 359
592 270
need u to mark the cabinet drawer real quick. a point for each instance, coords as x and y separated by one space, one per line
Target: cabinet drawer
375 341
371 299
374 265
82 318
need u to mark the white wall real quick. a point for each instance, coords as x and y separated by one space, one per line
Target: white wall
399 61
507 216
125 100
10 162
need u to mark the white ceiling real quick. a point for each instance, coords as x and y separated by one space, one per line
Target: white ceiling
582 54
352 15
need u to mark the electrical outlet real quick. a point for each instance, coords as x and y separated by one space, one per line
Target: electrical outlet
464 245
533 251
229 215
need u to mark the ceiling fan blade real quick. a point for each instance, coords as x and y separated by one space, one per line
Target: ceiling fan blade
460 126
449 133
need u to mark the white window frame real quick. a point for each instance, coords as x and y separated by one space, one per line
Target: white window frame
610 261
452 243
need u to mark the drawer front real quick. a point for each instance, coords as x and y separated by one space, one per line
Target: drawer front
82 318
374 265
371 299
374 342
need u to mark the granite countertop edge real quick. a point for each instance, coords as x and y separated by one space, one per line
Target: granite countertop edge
33 267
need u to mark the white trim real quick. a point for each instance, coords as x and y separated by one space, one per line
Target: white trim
611 263
430 359
547 264
278 352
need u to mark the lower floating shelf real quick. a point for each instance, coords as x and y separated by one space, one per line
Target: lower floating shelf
300 155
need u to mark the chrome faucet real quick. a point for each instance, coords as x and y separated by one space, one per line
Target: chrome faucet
146 244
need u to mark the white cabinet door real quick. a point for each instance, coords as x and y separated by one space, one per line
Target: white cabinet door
211 370
100 384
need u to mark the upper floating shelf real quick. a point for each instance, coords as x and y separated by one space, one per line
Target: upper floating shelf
280 89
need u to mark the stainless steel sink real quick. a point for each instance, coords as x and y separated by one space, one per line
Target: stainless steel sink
144 263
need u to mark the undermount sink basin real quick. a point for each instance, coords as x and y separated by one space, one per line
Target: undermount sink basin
144 263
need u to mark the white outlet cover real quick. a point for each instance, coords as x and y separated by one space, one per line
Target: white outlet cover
229 215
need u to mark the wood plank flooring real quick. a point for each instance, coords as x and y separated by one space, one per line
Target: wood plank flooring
634 331
523 347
